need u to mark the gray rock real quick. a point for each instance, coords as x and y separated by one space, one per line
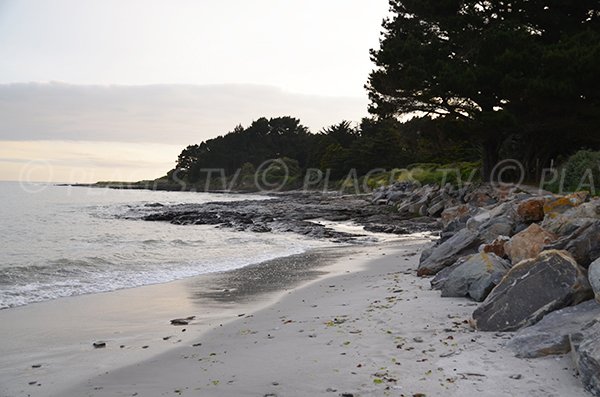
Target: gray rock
551 334
475 277
569 220
498 226
583 244
441 277
594 278
531 289
464 242
436 208
586 355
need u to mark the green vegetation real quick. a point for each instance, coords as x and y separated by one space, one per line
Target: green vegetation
580 172
457 82
520 78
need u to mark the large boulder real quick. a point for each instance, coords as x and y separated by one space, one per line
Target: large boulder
583 244
528 243
475 277
594 278
531 210
464 242
531 289
551 334
586 354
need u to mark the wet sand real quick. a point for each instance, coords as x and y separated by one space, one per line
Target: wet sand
364 325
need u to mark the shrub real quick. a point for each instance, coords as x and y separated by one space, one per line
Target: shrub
581 171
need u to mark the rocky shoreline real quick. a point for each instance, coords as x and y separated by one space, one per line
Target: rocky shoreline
531 258
297 213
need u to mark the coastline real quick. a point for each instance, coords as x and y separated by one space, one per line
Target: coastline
57 335
367 327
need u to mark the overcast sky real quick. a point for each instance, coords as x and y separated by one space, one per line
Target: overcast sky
170 73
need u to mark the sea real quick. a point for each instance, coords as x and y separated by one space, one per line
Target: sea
59 241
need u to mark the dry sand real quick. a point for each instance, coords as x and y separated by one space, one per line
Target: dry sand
369 327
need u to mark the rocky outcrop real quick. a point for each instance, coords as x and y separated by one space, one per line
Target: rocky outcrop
290 212
474 277
528 243
551 335
531 289
583 244
586 354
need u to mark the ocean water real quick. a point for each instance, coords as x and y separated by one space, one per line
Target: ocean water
58 241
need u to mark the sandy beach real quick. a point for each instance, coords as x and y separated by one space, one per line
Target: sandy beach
362 325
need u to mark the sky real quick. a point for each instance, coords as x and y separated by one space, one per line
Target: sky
114 89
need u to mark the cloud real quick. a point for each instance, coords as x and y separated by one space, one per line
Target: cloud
180 114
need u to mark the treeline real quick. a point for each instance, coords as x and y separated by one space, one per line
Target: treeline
521 77
336 150
476 80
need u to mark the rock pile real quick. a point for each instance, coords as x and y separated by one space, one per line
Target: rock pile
531 258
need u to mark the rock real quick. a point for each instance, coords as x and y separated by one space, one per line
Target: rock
496 247
531 289
99 345
554 205
481 197
586 355
182 321
551 334
528 243
475 277
497 226
464 242
460 214
442 276
583 244
568 222
436 208
531 210
594 278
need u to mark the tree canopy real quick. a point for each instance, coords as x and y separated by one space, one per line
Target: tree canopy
523 71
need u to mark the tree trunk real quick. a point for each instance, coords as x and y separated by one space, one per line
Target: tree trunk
490 150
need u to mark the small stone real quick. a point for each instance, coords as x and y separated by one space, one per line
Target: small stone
36 366
99 345
418 339
516 376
